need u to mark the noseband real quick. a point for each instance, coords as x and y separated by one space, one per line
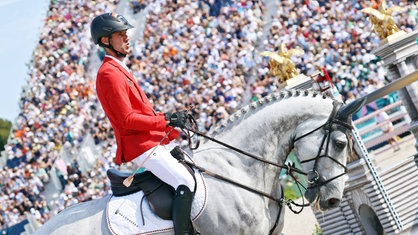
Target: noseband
332 124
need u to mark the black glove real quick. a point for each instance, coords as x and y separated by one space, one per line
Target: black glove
177 119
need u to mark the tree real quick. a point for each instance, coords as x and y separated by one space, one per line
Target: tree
5 127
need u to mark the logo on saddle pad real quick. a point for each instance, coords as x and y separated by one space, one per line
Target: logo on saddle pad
145 207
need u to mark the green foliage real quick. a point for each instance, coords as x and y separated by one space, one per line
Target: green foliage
289 193
5 127
317 231
293 185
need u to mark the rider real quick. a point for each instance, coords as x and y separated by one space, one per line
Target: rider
139 130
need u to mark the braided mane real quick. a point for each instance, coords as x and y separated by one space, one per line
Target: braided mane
277 97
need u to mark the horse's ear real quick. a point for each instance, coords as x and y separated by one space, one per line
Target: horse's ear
345 112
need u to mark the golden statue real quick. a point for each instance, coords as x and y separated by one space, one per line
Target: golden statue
281 64
382 19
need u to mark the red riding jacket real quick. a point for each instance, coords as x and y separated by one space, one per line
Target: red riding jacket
137 126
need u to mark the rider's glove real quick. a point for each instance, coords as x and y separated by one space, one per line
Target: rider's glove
177 119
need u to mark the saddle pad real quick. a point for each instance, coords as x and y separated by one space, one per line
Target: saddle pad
124 216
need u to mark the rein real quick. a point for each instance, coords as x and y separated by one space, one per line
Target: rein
280 201
215 175
291 168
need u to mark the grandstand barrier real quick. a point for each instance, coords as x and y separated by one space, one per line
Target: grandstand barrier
55 179
371 132
87 155
32 225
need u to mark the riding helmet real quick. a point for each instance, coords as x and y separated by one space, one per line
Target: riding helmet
106 24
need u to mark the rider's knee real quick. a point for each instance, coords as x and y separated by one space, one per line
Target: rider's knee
187 181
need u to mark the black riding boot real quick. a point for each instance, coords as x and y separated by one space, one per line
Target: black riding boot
182 206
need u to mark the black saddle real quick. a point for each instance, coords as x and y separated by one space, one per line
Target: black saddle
159 194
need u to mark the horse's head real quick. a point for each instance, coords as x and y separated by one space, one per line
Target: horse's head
323 151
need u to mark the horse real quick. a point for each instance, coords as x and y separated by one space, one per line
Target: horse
315 127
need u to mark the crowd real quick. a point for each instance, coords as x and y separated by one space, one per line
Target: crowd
137 5
200 53
188 57
58 110
337 36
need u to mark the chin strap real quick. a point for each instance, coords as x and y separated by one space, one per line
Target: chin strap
119 54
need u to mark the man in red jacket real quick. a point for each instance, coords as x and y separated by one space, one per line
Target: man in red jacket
139 130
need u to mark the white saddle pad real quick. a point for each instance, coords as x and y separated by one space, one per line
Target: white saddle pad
124 213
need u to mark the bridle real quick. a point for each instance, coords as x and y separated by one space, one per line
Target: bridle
333 123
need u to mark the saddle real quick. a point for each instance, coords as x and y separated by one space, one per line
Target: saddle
159 194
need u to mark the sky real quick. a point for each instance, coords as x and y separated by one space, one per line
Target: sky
21 23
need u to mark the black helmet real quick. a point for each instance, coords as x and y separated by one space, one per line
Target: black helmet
106 24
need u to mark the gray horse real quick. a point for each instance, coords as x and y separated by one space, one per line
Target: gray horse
315 127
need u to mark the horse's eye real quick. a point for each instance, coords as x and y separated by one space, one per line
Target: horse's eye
340 143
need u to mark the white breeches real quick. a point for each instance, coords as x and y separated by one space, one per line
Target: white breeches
165 167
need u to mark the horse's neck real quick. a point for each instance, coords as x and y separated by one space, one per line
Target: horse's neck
270 125
265 130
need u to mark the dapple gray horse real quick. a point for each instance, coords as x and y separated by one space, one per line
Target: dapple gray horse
315 127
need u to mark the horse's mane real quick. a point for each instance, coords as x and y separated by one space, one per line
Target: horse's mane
276 97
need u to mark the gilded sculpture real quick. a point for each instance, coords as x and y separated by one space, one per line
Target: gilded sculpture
281 64
383 22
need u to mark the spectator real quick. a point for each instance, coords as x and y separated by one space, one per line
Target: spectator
383 117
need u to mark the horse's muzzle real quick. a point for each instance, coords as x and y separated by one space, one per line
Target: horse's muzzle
316 195
329 203
311 194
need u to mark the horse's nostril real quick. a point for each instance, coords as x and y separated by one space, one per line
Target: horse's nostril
333 201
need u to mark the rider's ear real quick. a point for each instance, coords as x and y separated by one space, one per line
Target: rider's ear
105 40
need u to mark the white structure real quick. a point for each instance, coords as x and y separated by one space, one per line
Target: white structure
376 200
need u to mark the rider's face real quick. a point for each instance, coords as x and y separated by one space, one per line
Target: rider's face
120 42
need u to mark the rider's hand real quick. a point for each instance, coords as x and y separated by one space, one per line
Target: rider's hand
177 119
